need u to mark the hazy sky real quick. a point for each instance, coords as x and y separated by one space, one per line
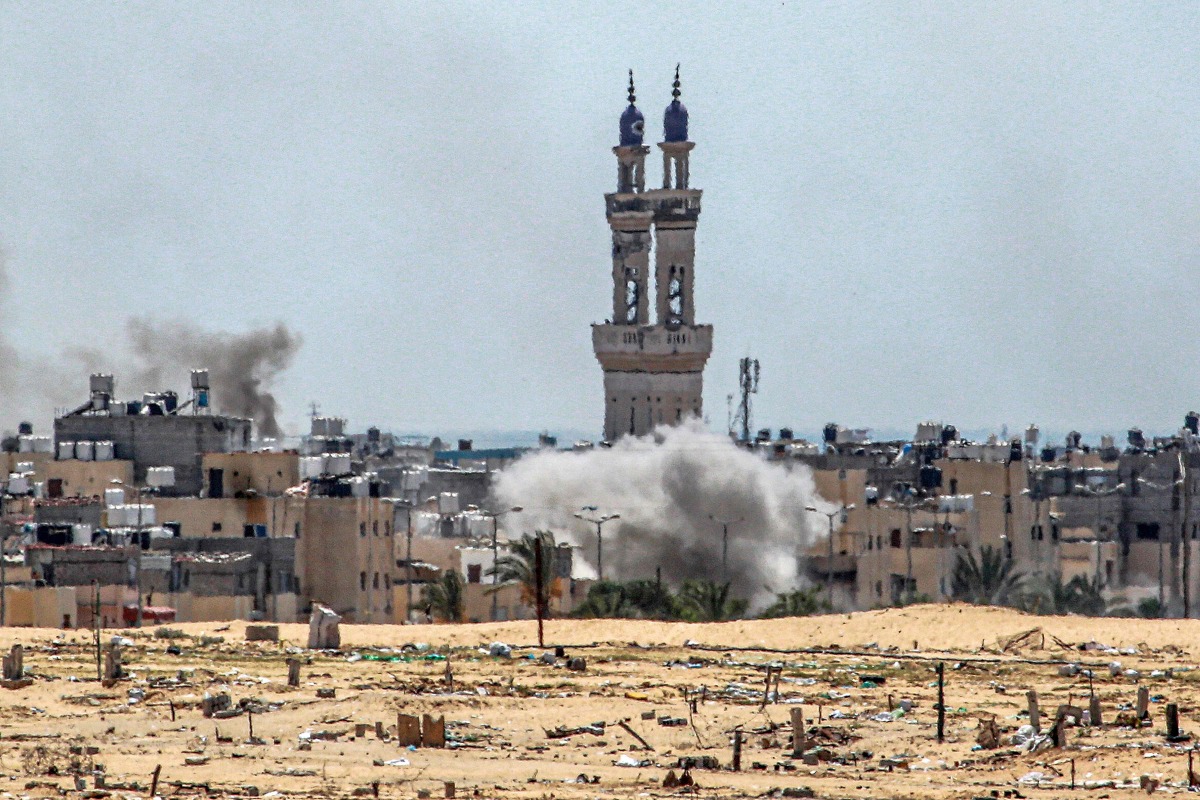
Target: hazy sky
979 213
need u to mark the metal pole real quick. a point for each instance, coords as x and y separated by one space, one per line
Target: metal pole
495 572
1187 538
600 549
409 569
3 565
724 552
137 569
908 575
829 567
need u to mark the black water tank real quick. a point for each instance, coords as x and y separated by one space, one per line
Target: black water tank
931 477
1191 422
831 433
464 444
1136 439
785 434
949 434
25 429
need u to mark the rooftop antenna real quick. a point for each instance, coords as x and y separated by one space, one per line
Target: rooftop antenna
313 409
748 384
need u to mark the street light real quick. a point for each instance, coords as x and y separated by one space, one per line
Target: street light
1167 487
725 523
840 510
1100 495
599 523
495 515
137 565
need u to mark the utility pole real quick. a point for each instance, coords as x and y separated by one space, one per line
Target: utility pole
495 515
725 523
599 523
839 511
3 562
1187 536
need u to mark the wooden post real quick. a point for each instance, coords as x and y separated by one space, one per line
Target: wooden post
449 676
171 702
1172 721
1191 773
250 720
737 749
766 689
538 572
96 629
1143 703
293 666
154 780
797 731
1072 773
1035 715
941 718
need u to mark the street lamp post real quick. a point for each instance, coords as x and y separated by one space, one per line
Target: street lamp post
1099 496
725 523
599 523
1167 487
137 564
840 510
496 515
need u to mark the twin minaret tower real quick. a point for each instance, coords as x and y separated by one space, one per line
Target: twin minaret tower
653 371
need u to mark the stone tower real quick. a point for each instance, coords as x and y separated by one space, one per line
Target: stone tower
653 371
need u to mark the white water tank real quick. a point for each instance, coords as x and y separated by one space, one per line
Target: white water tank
448 503
105 451
18 484
66 451
81 534
160 477
339 464
359 487
114 516
311 467
85 451
114 497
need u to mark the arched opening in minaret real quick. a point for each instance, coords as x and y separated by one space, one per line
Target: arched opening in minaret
675 295
633 294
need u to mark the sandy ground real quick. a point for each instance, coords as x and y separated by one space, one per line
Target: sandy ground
845 672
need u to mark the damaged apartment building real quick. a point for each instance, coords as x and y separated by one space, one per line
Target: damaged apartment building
1119 517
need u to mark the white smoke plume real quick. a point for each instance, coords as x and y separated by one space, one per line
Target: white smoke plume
666 488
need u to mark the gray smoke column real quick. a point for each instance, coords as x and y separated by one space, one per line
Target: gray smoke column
665 488
242 367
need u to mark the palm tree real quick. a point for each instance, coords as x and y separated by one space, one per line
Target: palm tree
444 597
640 599
1079 595
709 601
796 603
990 580
520 566
606 600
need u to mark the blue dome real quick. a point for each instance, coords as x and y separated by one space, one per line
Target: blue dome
675 122
633 125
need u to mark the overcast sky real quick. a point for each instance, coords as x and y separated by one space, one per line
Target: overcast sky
983 213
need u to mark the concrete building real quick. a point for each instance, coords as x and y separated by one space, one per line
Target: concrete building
155 431
653 371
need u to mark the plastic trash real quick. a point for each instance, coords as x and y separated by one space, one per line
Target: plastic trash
500 650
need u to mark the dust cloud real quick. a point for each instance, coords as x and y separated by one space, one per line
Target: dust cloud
667 489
